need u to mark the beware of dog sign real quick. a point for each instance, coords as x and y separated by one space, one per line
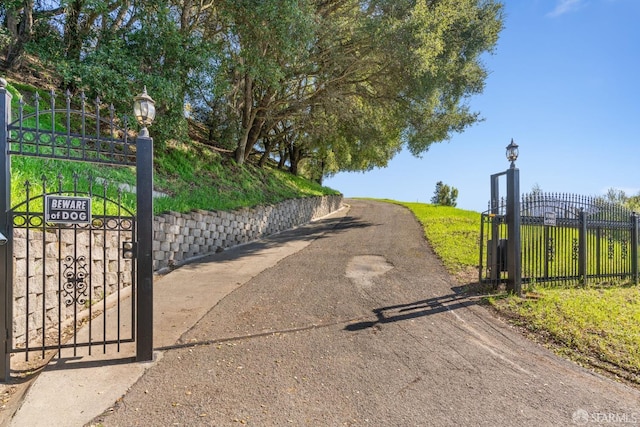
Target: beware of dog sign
67 210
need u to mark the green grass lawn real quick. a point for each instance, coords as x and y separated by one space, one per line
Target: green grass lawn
453 233
598 327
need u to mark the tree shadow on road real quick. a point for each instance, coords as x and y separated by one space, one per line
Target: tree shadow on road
318 229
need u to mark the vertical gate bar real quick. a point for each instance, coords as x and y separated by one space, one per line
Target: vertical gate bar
531 252
60 278
59 232
572 258
481 263
533 233
98 143
529 266
52 101
105 288
582 247
27 269
634 247
74 227
554 246
598 255
37 131
133 284
44 274
571 261
83 124
546 252
6 228
68 122
526 251
90 284
119 245
144 196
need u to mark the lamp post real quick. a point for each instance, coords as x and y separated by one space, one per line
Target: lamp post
514 262
145 112
144 108
512 153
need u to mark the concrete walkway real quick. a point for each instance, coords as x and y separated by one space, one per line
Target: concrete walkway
71 391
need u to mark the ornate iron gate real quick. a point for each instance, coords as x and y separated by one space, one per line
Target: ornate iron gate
73 249
564 238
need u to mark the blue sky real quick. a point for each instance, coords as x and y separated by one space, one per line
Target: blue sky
564 83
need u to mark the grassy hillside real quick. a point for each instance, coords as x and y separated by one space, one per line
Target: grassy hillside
192 175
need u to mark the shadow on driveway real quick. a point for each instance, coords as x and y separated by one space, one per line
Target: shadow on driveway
427 307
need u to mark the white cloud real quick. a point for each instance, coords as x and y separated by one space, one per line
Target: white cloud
565 6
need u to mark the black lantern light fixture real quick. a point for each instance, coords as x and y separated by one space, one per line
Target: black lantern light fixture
512 153
145 111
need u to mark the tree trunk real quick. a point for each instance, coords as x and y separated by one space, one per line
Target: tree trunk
19 22
248 116
283 158
259 120
295 155
72 30
268 146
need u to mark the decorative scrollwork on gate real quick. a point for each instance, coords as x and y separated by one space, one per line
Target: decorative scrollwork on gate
610 247
623 249
575 249
551 250
75 275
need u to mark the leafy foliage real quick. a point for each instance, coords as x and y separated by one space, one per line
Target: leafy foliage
317 86
444 195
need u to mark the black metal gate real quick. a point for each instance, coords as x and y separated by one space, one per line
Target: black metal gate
564 238
76 261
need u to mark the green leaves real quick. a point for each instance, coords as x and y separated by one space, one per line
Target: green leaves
444 195
333 84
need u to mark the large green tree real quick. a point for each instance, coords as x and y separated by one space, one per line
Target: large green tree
354 82
319 85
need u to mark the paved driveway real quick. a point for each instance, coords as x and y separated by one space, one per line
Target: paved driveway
364 327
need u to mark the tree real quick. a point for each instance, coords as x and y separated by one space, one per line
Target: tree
444 195
321 86
349 82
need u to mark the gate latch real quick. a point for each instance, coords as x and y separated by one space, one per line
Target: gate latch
129 250
3 240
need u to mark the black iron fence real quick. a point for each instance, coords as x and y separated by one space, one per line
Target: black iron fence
563 238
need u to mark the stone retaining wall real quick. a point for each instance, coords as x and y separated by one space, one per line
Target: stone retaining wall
54 277
42 261
178 237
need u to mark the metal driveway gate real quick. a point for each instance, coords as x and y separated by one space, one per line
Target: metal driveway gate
563 238
70 251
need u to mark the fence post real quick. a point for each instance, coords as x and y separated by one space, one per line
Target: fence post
582 247
495 229
634 247
6 250
514 249
144 272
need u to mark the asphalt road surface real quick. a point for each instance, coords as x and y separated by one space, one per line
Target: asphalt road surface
364 327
